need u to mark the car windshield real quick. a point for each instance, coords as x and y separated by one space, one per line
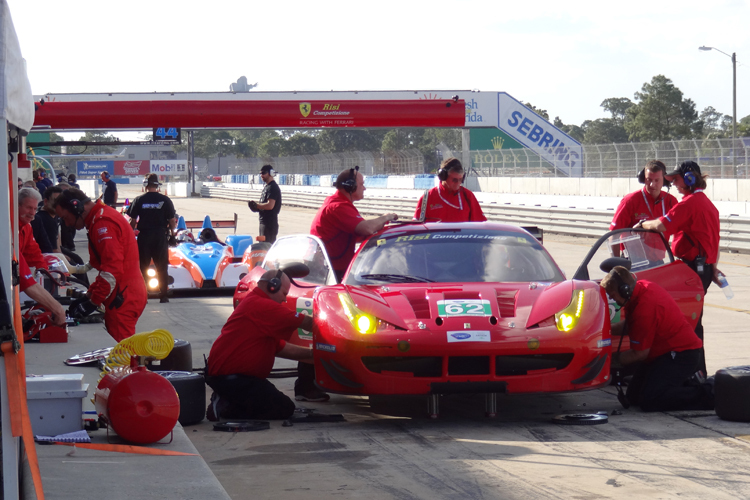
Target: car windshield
455 255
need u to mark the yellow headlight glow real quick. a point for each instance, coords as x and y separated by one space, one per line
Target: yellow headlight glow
361 321
151 273
153 283
567 319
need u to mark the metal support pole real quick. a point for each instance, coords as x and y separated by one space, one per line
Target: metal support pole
433 405
734 111
490 404
191 157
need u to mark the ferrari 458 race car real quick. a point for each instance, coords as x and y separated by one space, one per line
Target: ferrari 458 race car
198 264
438 308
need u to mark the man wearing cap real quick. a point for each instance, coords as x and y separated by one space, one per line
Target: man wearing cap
450 201
662 343
694 222
152 214
119 286
269 206
109 197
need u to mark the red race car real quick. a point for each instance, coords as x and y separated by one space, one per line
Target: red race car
437 308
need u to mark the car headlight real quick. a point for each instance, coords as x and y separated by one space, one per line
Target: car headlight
151 272
360 320
567 319
153 283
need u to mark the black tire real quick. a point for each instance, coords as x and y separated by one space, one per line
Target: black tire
180 359
191 388
732 393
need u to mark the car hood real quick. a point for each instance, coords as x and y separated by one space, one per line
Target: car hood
407 305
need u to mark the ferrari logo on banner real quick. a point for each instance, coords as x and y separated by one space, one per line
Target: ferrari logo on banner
305 108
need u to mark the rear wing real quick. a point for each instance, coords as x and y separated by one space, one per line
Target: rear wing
216 224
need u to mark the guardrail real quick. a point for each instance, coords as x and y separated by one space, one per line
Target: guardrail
735 230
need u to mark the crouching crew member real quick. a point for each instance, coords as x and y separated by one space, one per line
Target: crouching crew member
242 356
694 222
119 287
450 201
662 340
154 216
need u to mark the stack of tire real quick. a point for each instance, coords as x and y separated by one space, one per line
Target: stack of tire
177 367
732 393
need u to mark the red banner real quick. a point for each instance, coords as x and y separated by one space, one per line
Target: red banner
144 115
132 167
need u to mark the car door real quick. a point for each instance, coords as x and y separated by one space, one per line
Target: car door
651 259
308 250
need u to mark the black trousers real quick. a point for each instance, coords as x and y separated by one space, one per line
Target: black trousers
305 378
662 384
706 277
252 397
153 245
270 231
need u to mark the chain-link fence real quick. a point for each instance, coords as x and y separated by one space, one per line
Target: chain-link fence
407 162
720 158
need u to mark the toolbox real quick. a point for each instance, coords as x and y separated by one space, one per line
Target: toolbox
56 403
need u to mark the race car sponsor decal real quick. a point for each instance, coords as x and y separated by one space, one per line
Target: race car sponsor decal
305 304
464 307
101 230
462 236
614 311
325 347
604 343
469 336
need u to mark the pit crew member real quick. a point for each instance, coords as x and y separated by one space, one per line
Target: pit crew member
28 201
34 290
661 340
269 206
694 222
109 197
113 251
45 224
646 204
242 356
153 215
450 201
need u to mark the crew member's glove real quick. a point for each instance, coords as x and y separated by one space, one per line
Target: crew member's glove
80 308
253 206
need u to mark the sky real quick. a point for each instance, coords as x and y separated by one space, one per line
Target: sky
564 57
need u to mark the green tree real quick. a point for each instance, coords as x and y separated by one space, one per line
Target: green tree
98 136
349 139
302 143
715 125
661 113
541 112
618 107
743 127
573 131
603 131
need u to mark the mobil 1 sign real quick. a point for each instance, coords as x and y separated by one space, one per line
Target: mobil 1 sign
169 167
539 135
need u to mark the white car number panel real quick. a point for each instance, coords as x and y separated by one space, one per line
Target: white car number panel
304 304
464 307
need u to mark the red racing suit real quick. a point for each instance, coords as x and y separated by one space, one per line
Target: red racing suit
30 248
119 286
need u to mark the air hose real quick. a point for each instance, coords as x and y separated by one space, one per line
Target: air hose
158 343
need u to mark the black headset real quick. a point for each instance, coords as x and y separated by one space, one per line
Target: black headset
688 173
274 284
71 204
642 178
350 184
625 290
443 173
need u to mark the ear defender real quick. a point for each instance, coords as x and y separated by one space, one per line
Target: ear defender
274 284
623 288
642 176
350 185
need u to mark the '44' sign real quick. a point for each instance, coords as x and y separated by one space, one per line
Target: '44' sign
167 134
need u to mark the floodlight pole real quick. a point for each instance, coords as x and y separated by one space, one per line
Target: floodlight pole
734 96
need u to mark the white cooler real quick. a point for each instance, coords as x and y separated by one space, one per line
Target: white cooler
56 403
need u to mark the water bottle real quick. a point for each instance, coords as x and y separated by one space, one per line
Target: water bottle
724 284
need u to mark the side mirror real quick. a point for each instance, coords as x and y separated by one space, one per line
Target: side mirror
610 263
295 269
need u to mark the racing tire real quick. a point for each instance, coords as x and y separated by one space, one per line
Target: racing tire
191 389
179 359
732 393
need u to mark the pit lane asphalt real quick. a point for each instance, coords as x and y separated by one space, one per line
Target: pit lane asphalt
389 449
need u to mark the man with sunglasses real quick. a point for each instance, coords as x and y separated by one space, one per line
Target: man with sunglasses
269 206
450 201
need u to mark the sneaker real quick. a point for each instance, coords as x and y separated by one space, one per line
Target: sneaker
313 396
216 408
163 300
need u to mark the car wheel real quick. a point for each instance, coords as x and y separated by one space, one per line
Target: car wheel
179 359
732 393
191 388
582 418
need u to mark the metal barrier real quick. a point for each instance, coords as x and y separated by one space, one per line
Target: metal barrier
735 230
